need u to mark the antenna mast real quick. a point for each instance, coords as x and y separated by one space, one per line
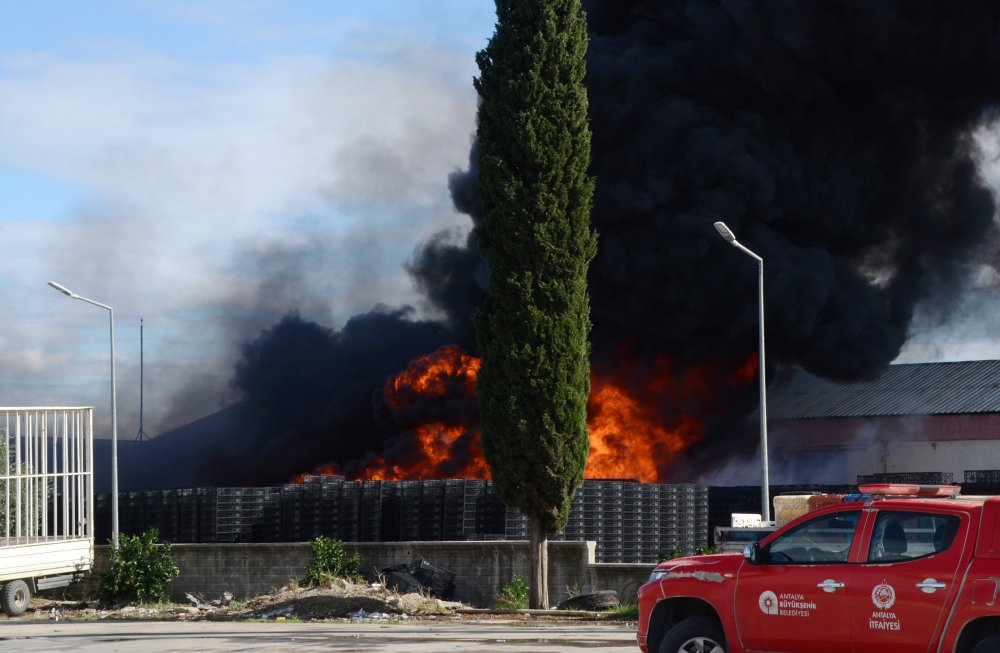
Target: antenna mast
141 435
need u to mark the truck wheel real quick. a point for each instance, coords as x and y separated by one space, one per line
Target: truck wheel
14 598
694 635
988 645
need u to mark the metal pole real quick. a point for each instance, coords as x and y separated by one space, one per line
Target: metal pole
114 437
765 508
141 435
765 490
114 407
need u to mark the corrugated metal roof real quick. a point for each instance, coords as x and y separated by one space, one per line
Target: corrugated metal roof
911 389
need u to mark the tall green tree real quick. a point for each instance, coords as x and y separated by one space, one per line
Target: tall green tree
533 331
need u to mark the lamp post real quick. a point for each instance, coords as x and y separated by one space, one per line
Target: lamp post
765 499
114 408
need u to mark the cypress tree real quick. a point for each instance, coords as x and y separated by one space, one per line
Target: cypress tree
533 331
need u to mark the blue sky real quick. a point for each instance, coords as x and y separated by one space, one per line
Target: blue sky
208 166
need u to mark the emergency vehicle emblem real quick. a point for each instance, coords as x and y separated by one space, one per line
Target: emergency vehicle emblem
883 596
768 602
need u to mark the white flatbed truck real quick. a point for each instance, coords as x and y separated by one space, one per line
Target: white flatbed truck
46 501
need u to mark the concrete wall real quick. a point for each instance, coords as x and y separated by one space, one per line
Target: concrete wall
481 568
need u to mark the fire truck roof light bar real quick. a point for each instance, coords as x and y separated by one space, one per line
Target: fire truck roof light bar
910 490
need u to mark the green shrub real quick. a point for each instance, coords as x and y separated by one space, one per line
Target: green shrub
662 555
331 561
141 570
514 595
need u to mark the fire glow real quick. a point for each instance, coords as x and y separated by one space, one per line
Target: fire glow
629 437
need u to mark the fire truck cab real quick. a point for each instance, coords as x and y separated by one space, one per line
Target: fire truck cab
900 568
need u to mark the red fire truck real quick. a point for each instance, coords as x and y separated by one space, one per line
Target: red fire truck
896 568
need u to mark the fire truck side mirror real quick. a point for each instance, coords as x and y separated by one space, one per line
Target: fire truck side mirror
751 553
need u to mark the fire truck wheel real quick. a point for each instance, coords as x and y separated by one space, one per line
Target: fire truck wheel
14 598
694 635
988 645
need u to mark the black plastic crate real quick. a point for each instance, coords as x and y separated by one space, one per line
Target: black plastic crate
982 476
920 478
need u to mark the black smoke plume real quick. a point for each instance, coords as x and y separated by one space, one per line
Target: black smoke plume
834 138
837 140
308 394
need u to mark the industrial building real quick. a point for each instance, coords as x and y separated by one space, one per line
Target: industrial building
922 418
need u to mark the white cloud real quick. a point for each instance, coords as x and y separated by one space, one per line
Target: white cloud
187 170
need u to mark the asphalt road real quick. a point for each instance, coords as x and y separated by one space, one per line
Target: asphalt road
280 637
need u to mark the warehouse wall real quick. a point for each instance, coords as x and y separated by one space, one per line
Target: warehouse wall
481 568
838 450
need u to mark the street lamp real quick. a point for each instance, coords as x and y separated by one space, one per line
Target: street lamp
114 409
765 499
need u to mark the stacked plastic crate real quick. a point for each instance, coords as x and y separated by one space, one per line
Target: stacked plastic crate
723 502
453 515
611 547
472 518
328 505
494 514
648 517
593 515
292 518
191 525
683 518
391 513
634 522
131 512
237 511
187 515
515 524
410 497
981 481
982 477
431 510
371 511
574 531
349 506
160 510
267 527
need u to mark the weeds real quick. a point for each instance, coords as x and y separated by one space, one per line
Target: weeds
623 612
513 595
330 561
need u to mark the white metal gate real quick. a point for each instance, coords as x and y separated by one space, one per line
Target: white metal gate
46 474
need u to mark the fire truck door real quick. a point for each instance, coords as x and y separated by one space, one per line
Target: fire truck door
794 600
899 594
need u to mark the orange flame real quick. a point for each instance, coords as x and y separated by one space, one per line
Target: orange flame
439 448
628 434
434 442
434 375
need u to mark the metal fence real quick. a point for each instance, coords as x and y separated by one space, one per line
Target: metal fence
46 474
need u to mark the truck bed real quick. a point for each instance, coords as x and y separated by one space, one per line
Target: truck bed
44 558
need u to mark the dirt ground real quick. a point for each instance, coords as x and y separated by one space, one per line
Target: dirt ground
343 601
